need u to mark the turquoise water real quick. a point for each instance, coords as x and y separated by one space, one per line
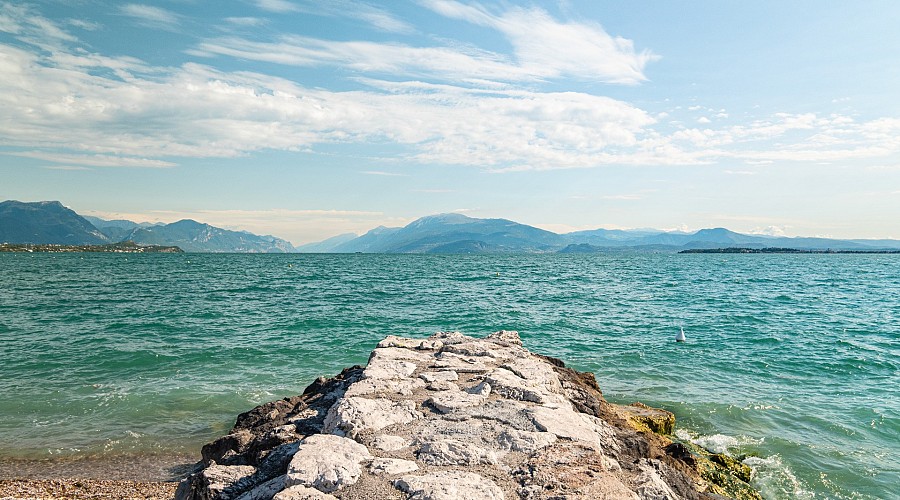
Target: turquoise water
791 359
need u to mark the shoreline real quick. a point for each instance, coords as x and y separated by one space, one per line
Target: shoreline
145 476
137 467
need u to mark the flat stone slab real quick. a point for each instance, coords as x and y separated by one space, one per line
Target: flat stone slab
300 492
449 376
525 441
455 452
451 400
353 415
385 442
567 424
392 466
449 485
327 462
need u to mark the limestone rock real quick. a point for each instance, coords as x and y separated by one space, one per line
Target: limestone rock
300 492
450 400
392 466
525 441
352 415
214 482
650 485
402 342
449 485
327 462
450 338
567 424
505 337
386 442
266 490
449 376
454 452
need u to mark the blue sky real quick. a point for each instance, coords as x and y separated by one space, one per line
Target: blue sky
307 119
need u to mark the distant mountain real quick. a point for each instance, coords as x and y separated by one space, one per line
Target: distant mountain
46 222
455 233
325 246
193 236
118 229
49 222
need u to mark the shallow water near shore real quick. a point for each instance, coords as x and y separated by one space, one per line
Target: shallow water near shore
791 360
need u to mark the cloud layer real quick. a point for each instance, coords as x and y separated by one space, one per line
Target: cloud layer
443 104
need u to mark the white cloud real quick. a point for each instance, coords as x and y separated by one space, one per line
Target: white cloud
622 197
245 21
770 230
704 120
297 226
95 160
380 173
277 6
150 16
547 48
95 110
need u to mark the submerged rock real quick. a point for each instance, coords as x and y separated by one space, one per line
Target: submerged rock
452 416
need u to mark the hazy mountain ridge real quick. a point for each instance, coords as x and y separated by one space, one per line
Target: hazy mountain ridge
46 222
456 233
49 222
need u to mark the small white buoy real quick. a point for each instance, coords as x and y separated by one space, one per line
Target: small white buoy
680 336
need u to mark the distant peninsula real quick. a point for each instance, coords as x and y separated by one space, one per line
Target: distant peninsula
122 247
779 250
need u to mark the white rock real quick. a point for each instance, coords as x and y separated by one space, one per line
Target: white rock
649 485
300 492
390 369
511 386
391 466
449 338
385 442
396 353
566 423
430 345
327 462
444 361
455 452
352 415
450 400
525 441
402 342
449 376
505 336
442 385
538 373
266 490
217 479
405 387
449 485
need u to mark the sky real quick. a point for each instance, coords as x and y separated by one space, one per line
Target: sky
309 119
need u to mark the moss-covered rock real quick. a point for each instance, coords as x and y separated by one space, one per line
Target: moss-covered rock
648 419
726 475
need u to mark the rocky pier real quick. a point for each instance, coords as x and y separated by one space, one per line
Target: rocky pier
455 417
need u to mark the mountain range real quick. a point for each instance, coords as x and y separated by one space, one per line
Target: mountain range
49 222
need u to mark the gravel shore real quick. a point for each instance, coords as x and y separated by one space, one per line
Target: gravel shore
145 476
15 489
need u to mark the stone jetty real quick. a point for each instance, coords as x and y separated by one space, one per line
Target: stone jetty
455 417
